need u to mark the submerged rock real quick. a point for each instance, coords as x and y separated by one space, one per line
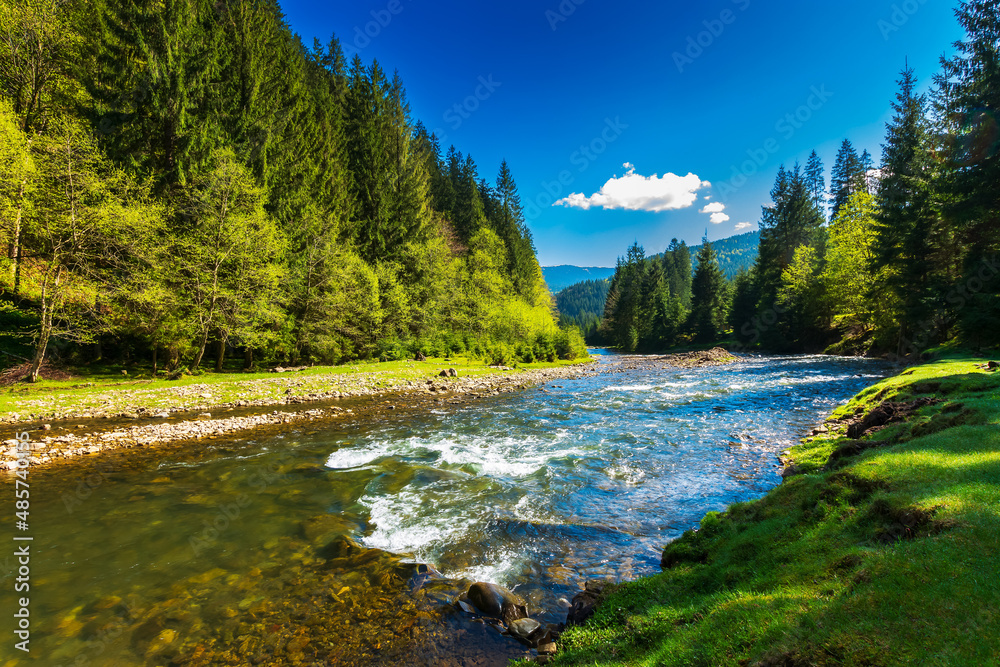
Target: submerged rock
497 601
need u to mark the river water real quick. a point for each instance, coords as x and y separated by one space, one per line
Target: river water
304 547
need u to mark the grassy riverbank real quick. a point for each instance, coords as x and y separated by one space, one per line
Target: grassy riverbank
880 551
98 394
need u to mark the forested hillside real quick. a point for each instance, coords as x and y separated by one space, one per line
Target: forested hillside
907 259
734 254
582 305
559 278
187 178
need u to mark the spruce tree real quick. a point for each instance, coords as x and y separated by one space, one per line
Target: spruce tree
844 177
905 214
708 296
816 182
970 105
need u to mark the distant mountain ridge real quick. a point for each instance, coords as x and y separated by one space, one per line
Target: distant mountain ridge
734 253
559 278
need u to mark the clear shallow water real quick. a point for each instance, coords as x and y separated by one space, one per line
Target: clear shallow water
222 554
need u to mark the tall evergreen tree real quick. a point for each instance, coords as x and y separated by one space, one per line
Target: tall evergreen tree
844 179
906 218
677 271
816 182
708 296
970 104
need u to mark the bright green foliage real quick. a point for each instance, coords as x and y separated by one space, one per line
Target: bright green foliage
856 292
226 257
792 221
283 202
17 177
801 292
83 237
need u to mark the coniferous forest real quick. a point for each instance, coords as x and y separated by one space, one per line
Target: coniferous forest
187 180
891 258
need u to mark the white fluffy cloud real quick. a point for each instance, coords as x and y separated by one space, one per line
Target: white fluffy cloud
635 192
716 210
741 226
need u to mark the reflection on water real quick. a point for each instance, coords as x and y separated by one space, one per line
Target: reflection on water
304 547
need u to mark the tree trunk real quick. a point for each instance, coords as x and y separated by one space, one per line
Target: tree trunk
43 341
154 362
201 351
48 303
14 250
17 262
220 354
248 358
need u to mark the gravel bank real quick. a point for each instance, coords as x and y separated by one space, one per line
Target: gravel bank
373 395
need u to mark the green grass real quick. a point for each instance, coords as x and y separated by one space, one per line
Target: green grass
102 389
887 557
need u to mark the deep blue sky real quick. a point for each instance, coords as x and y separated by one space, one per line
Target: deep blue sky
558 85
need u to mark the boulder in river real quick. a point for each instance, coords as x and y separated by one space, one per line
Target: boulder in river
497 601
526 630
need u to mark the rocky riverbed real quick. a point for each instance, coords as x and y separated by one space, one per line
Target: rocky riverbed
362 396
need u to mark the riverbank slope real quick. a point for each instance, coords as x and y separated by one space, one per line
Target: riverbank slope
882 547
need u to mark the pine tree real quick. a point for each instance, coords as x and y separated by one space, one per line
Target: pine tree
708 296
865 167
816 182
844 178
677 271
970 105
792 221
469 215
905 214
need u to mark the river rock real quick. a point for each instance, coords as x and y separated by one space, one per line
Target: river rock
342 547
525 629
322 529
497 601
585 602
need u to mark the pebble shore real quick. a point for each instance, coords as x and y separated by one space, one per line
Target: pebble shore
193 420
